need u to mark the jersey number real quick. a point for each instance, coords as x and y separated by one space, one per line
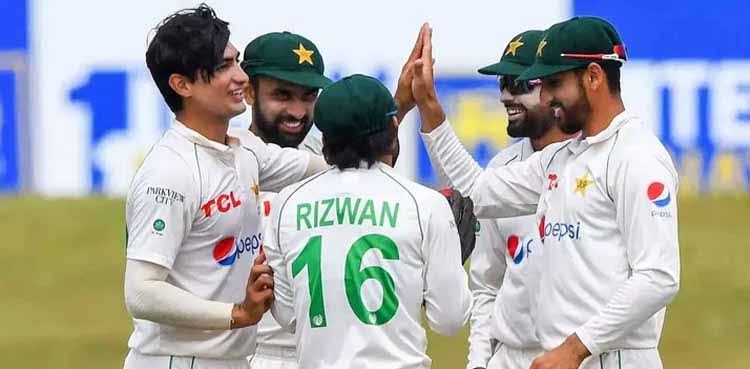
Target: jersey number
354 278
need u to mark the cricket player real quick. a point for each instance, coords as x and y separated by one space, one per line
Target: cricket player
502 281
195 282
358 250
286 74
606 200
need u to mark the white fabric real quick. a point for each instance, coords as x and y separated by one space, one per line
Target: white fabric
511 358
136 360
274 357
503 283
148 296
611 250
193 209
624 359
426 270
270 333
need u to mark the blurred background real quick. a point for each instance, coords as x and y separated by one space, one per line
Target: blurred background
78 112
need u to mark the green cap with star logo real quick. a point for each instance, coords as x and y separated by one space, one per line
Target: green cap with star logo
354 107
517 56
574 44
285 56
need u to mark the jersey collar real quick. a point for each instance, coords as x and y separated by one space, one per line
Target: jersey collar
580 144
201 140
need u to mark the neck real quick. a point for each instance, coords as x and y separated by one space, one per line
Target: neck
386 159
552 135
211 127
602 115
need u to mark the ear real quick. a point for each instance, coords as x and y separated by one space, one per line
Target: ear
395 123
181 85
595 77
250 93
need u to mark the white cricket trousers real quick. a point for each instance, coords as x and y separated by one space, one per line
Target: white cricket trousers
274 357
510 358
625 359
136 360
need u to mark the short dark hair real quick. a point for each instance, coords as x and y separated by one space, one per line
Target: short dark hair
612 70
190 42
350 153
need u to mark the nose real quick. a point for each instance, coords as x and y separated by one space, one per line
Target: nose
505 95
240 76
296 108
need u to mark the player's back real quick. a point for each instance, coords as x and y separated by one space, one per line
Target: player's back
362 251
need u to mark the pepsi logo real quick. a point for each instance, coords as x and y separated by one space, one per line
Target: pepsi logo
225 252
658 194
515 249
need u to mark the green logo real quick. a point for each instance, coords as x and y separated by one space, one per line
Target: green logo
159 225
477 227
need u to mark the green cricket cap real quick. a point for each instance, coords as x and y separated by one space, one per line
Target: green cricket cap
517 56
285 56
574 44
354 107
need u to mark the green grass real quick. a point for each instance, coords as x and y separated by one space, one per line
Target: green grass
61 270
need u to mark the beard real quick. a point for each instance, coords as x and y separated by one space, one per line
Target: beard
268 127
535 124
576 114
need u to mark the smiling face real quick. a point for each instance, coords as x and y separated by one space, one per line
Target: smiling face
565 95
282 111
222 96
527 117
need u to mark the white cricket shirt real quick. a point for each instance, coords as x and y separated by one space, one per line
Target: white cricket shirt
608 211
356 254
193 209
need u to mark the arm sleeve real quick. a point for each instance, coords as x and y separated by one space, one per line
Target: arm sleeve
283 305
148 296
507 191
646 204
446 291
159 211
280 167
485 278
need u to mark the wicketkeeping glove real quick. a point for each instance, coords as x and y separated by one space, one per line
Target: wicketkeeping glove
466 221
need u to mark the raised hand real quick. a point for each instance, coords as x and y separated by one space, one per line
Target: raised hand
404 96
423 85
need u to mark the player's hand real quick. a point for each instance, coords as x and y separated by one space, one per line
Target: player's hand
404 96
568 355
258 294
466 222
423 85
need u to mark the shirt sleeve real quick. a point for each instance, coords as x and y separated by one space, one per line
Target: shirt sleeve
645 197
446 291
277 167
283 305
485 278
506 191
159 211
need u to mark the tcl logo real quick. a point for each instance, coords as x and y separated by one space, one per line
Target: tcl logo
223 203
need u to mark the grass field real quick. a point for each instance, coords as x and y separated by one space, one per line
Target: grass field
61 270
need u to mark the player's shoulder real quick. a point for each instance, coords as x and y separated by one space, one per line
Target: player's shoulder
518 151
423 197
171 162
635 142
312 143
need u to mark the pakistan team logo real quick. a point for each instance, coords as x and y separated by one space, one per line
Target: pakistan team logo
159 225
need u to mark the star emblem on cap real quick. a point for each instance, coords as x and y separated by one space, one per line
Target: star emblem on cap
513 47
305 56
582 183
541 47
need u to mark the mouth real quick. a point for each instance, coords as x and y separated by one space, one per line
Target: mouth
515 111
291 126
237 95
